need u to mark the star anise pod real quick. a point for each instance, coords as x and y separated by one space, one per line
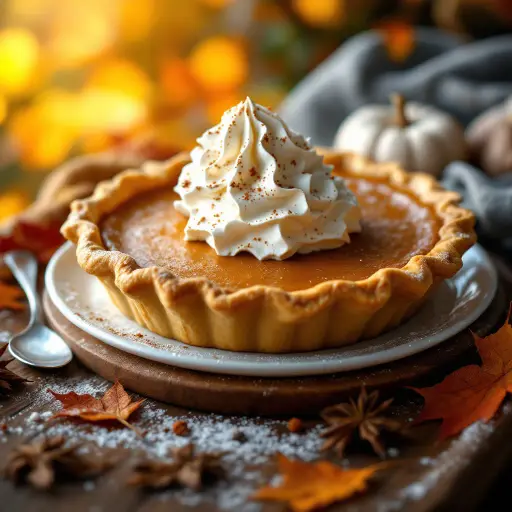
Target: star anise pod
365 418
8 379
39 463
187 469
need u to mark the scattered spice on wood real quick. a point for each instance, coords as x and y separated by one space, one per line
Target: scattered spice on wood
8 379
180 428
307 486
295 425
115 405
365 418
40 463
186 469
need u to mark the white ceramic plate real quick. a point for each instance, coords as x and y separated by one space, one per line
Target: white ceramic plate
456 304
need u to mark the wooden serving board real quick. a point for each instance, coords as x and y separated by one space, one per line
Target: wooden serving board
228 394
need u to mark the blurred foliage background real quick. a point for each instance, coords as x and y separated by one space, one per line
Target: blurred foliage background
84 75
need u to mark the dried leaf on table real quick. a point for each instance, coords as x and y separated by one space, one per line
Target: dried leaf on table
8 379
472 393
10 297
366 418
399 39
41 239
187 469
40 463
504 9
307 486
115 405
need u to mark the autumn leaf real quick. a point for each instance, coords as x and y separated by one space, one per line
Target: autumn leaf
399 39
115 405
40 239
8 379
10 296
472 393
504 9
307 486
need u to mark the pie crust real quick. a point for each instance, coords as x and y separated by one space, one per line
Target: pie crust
261 318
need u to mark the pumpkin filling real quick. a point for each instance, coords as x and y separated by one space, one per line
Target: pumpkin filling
395 227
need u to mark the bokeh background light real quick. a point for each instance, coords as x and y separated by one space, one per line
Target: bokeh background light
81 76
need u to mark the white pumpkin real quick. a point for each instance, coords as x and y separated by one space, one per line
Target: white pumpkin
418 137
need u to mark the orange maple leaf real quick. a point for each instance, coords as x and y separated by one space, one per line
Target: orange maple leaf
41 239
307 486
472 393
10 296
399 39
115 405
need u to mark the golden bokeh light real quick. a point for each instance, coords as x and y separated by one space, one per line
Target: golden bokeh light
136 17
179 87
123 76
42 144
101 110
27 12
320 13
55 106
80 31
217 4
179 27
12 202
219 104
219 64
46 131
3 108
48 148
96 143
19 51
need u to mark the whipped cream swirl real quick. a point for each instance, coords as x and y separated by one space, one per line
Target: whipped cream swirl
255 185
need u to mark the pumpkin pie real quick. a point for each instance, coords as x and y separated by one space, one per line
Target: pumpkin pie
234 293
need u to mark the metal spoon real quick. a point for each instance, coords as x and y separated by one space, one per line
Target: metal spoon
36 345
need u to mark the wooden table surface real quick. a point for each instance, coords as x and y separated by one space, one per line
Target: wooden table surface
453 475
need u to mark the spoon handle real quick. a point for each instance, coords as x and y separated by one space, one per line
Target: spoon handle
23 265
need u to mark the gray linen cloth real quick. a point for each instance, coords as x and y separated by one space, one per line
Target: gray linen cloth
463 79
489 198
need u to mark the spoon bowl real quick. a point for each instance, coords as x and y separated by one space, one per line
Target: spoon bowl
40 347
36 345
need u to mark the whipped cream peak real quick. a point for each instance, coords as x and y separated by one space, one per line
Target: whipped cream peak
255 185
